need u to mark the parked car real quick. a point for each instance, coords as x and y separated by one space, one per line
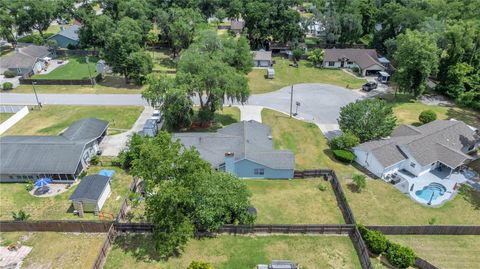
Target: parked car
371 85
157 116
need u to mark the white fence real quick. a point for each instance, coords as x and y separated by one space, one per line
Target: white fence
20 114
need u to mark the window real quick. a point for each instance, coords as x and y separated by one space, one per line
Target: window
258 171
412 165
331 63
349 63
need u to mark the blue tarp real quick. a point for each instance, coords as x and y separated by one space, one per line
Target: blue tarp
107 173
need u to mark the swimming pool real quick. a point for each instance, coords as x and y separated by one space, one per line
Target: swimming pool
431 192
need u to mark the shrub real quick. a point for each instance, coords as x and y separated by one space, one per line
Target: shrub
82 174
432 221
30 185
376 241
360 181
427 116
344 155
345 141
322 187
355 70
9 74
94 160
400 256
200 265
71 46
20 216
7 85
363 230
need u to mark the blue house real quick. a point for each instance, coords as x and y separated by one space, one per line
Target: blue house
67 36
244 149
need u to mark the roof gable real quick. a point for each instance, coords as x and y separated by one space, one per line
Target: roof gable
362 57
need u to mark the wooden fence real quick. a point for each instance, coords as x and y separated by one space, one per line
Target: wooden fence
63 52
102 255
65 226
125 206
428 230
361 249
29 81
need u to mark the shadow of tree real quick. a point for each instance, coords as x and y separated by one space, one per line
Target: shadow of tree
470 117
353 188
470 195
117 82
140 246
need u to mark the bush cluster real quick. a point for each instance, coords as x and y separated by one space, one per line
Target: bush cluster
9 74
7 86
427 116
344 155
345 142
398 255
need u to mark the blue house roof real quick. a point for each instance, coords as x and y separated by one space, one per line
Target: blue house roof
70 32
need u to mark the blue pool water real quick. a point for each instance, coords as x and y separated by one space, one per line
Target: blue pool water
435 189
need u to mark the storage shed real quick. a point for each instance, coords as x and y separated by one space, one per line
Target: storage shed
91 194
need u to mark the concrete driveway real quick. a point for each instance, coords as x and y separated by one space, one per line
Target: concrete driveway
319 103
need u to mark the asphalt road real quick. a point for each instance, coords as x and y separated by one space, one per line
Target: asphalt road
319 103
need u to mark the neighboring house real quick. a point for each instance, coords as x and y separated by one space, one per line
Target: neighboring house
91 193
67 36
61 158
237 26
365 59
244 149
315 29
26 59
441 144
262 58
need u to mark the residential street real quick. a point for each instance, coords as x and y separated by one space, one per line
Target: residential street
319 103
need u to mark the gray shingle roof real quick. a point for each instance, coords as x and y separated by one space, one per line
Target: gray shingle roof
261 55
48 154
90 187
25 58
362 57
86 129
70 32
247 140
441 140
237 25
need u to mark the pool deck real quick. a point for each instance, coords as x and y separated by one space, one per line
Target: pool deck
441 177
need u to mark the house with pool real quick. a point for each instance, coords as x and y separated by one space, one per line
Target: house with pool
428 161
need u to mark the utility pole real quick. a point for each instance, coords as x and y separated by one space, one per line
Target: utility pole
36 96
291 101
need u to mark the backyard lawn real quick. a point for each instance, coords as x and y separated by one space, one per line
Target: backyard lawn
222 118
239 252
407 111
162 61
76 68
444 251
57 250
380 203
294 202
5 116
286 75
53 119
14 197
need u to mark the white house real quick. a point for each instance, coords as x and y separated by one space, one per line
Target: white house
365 59
441 144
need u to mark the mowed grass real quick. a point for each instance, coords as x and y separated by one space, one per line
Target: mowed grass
380 203
294 202
444 251
76 68
286 75
238 252
57 250
53 119
14 197
407 112
5 116
162 61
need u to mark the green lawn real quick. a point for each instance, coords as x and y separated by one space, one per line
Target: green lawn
53 119
222 118
444 251
57 250
76 68
286 75
294 202
407 111
162 61
380 203
14 197
238 252
5 116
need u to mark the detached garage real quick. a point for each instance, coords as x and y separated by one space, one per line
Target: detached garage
91 194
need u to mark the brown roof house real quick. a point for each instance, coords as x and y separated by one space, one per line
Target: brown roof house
366 60
439 145
262 58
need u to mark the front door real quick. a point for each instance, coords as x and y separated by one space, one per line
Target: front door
342 64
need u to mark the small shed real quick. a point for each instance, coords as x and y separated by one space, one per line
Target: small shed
100 67
91 193
383 77
270 73
262 58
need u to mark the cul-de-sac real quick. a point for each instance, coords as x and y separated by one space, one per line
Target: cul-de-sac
240 134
